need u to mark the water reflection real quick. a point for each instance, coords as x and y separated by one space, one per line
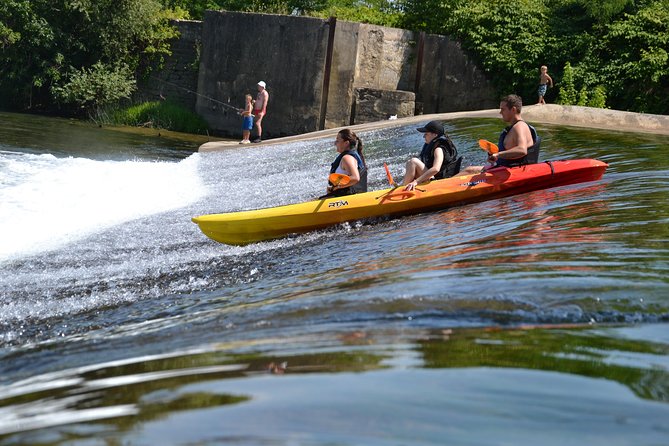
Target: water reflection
64 137
152 391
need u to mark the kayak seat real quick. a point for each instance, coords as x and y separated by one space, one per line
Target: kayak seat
451 169
457 167
533 152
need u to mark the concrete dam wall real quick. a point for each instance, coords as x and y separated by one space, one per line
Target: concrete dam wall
320 74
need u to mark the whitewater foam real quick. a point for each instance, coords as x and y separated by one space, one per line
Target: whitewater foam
48 202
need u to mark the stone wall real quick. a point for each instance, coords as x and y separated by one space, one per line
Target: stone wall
450 81
373 105
236 50
240 49
342 75
386 58
178 79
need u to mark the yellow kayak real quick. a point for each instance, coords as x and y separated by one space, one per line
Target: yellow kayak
241 228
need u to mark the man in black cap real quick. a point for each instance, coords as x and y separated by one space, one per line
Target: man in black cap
438 159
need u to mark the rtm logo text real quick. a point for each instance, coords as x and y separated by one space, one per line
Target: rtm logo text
338 204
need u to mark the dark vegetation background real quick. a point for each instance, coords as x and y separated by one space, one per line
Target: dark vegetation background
84 57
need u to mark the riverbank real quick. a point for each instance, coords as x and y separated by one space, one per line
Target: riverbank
570 115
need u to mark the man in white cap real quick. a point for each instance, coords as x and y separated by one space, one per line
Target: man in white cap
260 108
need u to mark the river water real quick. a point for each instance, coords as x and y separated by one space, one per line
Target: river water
541 318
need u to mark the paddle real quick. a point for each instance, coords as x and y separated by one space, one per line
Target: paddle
488 146
394 185
337 179
334 180
390 177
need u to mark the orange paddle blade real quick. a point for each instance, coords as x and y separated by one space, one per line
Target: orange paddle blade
337 179
390 177
488 146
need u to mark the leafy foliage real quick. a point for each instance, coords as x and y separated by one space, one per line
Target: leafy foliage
376 12
615 50
600 52
97 86
637 74
568 91
508 36
50 46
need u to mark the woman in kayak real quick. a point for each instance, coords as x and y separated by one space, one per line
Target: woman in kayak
350 162
438 158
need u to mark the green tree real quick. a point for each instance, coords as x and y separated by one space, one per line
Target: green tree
567 90
196 8
28 54
431 16
377 12
508 38
634 51
54 40
614 50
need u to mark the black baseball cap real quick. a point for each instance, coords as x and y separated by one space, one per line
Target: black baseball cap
432 126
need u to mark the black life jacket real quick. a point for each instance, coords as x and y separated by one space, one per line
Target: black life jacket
532 156
360 186
451 164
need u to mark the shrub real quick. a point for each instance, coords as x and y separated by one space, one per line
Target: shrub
598 97
567 94
95 87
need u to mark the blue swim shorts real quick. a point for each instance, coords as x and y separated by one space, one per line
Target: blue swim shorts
542 89
248 123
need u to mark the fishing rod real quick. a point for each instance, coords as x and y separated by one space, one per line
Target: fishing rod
237 110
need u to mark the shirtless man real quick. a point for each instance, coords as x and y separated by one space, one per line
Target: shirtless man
514 141
260 108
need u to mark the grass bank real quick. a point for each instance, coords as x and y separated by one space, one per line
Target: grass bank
160 115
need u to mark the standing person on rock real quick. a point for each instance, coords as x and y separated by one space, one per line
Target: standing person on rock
544 82
260 108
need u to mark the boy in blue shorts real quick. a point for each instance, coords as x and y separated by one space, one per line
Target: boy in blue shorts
247 123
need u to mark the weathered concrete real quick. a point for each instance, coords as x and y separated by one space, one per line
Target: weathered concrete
385 58
548 114
240 49
235 50
598 118
367 56
178 78
376 105
450 81
342 75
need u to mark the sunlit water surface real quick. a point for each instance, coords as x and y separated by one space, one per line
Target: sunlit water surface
535 319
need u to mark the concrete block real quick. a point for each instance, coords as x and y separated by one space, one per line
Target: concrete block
377 105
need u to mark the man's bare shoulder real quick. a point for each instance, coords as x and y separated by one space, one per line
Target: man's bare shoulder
520 133
520 127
